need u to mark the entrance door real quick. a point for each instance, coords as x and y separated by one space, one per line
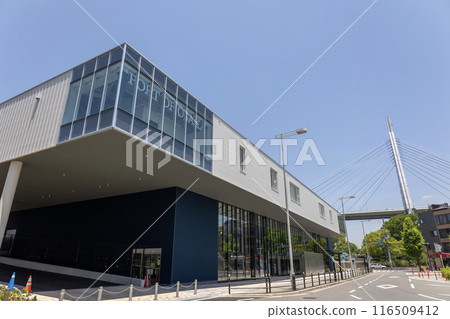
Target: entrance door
146 261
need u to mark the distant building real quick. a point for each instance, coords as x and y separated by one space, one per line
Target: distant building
435 226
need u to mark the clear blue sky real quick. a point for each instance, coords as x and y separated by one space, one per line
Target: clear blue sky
238 56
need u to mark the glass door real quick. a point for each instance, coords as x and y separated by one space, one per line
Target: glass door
146 261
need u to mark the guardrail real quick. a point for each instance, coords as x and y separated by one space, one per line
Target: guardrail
156 287
300 282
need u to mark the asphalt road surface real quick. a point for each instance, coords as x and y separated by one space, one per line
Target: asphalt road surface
378 286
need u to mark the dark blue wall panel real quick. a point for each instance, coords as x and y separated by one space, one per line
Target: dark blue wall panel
195 238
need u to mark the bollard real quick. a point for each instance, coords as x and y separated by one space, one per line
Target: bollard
312 280
294 284
270 286
195 286
304 280
412 270
325 277
177 294
428 273
156 291
61 294
329 276
318 277
335 277
436 276
229 285
267 284
100 293
130 296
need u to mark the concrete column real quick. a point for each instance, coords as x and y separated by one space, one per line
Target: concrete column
9 190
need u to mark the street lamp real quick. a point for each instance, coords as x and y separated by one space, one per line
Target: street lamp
291 258
345 224
367 249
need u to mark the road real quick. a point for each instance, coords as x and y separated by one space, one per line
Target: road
378 286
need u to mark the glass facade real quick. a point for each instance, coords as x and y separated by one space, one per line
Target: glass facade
251 245
147 100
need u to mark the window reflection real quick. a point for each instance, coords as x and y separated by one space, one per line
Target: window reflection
84 97
127 88
144 89
71 102
111 86
157 107
97 92
169 114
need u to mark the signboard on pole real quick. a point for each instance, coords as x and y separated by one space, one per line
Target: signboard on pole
437 248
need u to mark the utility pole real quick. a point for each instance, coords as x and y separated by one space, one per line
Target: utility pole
386 236
407 204
367 248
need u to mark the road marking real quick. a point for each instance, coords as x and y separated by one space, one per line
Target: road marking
387 286
393 277
409 279
351 291
412 286
359 287
356 297
365 284
444 294
431 297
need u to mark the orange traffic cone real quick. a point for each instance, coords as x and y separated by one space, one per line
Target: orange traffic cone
28 286
146 282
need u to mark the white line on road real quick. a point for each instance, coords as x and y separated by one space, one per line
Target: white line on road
409 280
431 297
412 286
351 291
355 297
359 287
365 284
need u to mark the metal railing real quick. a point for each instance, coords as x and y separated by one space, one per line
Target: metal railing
156 287
301 282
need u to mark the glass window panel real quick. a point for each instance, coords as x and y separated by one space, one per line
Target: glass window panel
180 127
154 136
169 114
147 68
91 124
89 68
160 78
106 118
123 120
102 61
200 133
127 88
77 73
274 179
138 127
201 109
189 155
71 102
209 115
182 95
116 55
208 164
83 100
192 102
157 107
190 128
171 87
208 136
132 57
144 89
167 142
111 86
77 129
179 149
64 132
97 92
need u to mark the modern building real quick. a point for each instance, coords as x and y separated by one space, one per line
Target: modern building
435 227
111 163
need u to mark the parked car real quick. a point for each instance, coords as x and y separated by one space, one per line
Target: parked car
378 266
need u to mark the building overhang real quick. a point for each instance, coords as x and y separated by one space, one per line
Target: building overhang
94 166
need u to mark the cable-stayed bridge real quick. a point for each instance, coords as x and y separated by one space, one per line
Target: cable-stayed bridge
365 175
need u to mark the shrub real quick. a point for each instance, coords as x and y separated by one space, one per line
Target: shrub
445 271
17 295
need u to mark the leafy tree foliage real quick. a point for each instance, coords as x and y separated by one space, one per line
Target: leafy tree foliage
340 245
395 224
413 241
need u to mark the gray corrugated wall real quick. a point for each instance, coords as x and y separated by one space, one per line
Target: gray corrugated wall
28 125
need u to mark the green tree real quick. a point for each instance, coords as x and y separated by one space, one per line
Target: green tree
340 245
395 224
412 241
379 253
